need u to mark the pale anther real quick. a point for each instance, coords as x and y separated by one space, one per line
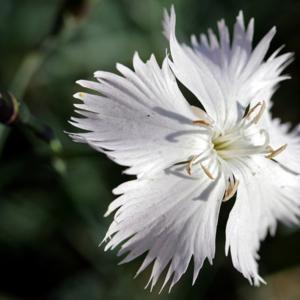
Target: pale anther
260 113
262 106
231 190
207 172
276 152
202 122
190 164
205 169
251 110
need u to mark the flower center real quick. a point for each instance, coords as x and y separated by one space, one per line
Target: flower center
240 141
246 138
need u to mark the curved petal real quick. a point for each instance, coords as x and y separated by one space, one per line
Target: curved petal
280 134
266 194
172 217
196 74
139 119
226 77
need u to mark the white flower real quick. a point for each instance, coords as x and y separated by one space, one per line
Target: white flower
188 161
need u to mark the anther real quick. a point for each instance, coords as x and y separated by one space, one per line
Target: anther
231 190
202 122
262 106
190 164
276 152
260 113
207 172
251 110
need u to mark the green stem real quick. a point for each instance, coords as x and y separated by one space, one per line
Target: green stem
25 72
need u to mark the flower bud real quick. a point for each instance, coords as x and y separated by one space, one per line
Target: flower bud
9 108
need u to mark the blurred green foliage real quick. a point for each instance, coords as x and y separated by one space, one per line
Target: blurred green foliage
50 218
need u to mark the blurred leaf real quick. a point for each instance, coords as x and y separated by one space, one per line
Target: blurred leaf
82 286
23 220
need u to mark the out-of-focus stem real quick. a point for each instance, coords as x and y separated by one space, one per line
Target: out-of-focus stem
25 72
28 68
14 113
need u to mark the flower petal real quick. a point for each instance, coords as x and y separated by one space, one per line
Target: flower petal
196 75
227 77
140 119
265 195
172 216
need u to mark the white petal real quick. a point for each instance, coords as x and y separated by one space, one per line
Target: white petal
266 194
280 134
196 75
139 119
227 77
172 216
166 23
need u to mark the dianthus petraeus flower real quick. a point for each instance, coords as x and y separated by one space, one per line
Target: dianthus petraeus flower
189 160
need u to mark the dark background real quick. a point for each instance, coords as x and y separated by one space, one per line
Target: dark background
52 200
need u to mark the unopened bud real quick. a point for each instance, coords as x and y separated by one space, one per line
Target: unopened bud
9 108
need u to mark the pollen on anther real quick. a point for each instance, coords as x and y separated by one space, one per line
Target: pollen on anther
230 191
190 164
260 113
202 122
207 172
262 106
276 152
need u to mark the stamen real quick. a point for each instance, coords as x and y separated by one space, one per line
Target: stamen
260 113
276 151
231 190
207 172
202 122
190 164
262 106
250 112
